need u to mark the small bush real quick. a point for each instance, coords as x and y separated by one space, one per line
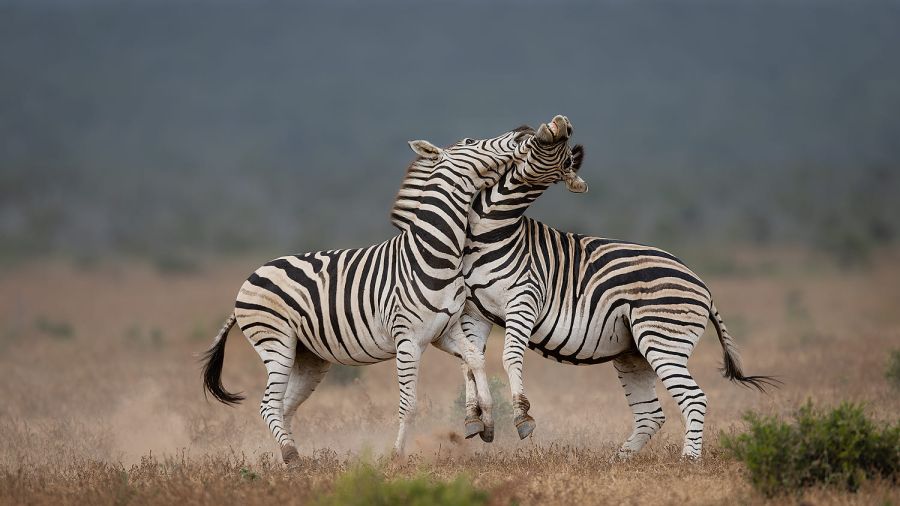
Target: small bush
365 485
841 447
893 370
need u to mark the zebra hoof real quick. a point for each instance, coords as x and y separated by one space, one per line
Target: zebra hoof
487 435
525 426
623 455
289 454
473 427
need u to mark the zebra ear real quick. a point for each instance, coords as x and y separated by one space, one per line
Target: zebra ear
425 149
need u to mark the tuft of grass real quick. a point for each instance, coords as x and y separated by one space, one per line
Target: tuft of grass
248 474
893 369
366 485
839 448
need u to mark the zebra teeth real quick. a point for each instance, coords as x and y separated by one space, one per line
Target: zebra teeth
553 128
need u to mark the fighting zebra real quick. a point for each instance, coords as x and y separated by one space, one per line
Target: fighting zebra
362 306
548 163
587 300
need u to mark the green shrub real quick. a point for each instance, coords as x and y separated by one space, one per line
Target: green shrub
893 370
841 447
365 485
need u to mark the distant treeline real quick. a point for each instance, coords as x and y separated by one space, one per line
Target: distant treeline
201 127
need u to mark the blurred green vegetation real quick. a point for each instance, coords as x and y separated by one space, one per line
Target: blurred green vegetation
144 337
57 329
893 369
366 485
343 375
502 408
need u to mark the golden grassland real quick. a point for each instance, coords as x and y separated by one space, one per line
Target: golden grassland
102 399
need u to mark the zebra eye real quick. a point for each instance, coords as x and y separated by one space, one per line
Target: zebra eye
469 142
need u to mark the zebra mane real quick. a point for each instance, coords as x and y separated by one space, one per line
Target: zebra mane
408 196
577 157
406 202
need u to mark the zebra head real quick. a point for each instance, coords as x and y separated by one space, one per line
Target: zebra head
551 159
482 161
478 163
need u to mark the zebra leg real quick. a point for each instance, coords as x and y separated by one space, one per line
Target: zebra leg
520 317
278 353
476 332
306 376
409 354
668 351
639 382
455 342
474 425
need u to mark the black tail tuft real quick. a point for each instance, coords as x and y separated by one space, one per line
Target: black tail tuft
731 368
213 360
732 371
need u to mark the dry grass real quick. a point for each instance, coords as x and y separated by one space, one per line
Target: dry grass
113 411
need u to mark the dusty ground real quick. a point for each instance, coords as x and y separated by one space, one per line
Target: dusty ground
102 400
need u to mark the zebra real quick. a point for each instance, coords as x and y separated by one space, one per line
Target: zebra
587 300
361 306
549 162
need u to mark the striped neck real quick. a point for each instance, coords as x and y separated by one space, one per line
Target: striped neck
504 204
440 218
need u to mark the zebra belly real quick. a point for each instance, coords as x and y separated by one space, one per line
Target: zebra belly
351 349
580 341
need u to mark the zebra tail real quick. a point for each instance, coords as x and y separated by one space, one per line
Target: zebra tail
731 367
213 360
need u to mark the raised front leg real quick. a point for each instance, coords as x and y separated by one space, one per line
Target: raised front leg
476 332
409 353
474 425
520 317
479 419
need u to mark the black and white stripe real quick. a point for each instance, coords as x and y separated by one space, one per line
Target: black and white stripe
304 312
588 300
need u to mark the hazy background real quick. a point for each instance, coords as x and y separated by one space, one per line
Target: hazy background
176 130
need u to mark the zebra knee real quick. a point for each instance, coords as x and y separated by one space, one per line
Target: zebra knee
693 405
652 421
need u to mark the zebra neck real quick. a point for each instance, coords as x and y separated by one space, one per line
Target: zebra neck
441 219
503 205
